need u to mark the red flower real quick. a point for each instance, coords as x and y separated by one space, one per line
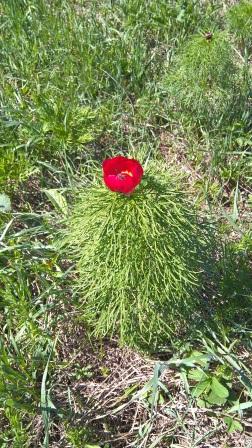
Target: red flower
122 174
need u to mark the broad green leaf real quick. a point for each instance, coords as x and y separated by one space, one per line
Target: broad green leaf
213 398
224 372
197 375
232 425
202 360
240 407
202 387
199 358
201 403
57 199
219 389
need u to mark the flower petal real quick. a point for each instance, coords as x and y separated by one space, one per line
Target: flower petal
121 174
114 165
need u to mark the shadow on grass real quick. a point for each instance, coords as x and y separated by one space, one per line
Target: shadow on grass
235 287
226 298
226 305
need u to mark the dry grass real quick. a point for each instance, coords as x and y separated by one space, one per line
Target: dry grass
108 399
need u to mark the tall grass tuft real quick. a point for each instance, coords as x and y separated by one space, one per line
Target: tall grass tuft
139 259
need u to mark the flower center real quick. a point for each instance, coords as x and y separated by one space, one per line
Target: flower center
123 174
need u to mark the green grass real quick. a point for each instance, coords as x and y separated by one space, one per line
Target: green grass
81 81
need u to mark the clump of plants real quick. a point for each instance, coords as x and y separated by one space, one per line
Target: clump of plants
139 251
202 84
240 23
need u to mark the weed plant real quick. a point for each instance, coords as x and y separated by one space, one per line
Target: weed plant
139 259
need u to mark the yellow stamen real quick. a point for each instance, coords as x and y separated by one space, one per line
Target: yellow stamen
127 172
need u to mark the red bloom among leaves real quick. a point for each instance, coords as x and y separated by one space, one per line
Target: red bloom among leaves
122 174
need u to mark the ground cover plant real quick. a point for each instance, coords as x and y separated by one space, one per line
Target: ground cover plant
168 84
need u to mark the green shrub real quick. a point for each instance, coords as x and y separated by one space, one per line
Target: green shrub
139 258
240 23
202 83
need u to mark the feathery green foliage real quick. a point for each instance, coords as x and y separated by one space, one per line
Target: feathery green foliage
139 258
240 23
204 79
